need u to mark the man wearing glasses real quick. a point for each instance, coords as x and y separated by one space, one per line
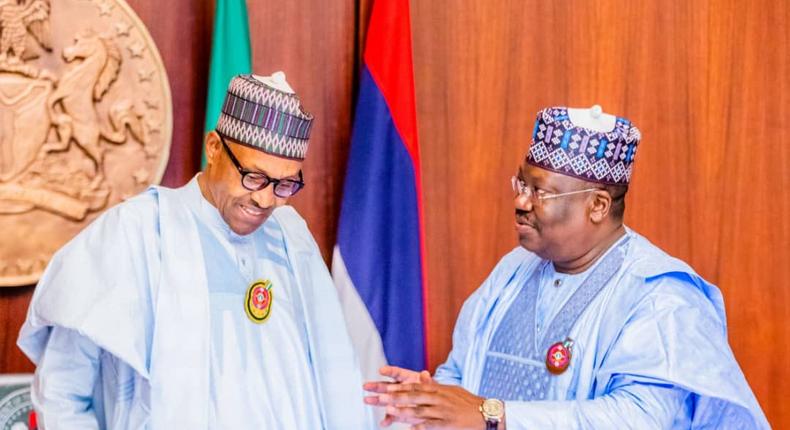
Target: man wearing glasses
207 306
586 325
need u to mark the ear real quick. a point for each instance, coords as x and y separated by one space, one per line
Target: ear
600 205
213 147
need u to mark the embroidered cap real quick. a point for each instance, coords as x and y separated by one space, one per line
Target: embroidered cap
584 143
264 113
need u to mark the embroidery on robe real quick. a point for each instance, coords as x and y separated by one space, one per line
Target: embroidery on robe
516 366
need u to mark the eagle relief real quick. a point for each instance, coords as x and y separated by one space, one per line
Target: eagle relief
85 122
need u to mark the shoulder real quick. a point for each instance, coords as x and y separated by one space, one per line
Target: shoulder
647 263
513 266
289 218
661 284
654 282
294 229
136 214
137 208
518 258
671 293
646 260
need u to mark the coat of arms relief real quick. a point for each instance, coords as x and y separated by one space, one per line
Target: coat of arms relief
85 122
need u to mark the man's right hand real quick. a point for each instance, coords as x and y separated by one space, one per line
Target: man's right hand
399 376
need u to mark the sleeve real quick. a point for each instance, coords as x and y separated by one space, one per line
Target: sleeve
634 406
100 284
64 382
451 371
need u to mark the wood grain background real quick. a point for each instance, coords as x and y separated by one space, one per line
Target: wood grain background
706 81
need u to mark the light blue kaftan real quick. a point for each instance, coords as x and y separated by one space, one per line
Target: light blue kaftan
649 345
139 323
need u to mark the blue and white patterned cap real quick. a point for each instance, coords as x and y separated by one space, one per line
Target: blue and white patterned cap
604 157
264 113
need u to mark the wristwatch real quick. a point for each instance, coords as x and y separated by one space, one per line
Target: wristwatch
493 411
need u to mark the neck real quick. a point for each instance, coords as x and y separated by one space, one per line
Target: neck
586 260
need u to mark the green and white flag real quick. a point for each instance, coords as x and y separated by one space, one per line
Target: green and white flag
230 55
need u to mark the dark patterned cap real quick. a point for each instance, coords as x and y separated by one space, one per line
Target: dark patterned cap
581 148
264 113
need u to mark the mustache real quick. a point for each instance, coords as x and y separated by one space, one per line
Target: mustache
253 204
523 217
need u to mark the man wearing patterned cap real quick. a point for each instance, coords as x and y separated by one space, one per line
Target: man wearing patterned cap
586 325
207 306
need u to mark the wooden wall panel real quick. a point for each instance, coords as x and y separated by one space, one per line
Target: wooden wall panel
706 81
314 43
755 200
13 308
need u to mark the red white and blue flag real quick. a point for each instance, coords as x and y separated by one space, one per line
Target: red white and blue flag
379 260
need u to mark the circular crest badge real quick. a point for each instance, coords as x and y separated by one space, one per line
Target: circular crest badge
258 301
86 122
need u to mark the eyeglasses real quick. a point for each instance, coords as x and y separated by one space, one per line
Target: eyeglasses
537 196
256 181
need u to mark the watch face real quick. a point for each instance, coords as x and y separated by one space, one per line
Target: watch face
493 408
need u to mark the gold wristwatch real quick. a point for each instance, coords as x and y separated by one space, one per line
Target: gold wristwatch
493 411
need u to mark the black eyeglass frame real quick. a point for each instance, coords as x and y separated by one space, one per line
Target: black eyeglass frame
267 180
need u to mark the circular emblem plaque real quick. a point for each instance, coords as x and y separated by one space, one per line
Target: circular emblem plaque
85 122
15 404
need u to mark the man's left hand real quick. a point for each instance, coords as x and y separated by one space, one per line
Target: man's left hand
428 405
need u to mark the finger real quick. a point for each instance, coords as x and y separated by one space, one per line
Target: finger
425 377
404 415
390 371
377 386
428 425
407 395
422 412
399 399
410 388
399 374
372 400
421 405
394 387
410 400
380 386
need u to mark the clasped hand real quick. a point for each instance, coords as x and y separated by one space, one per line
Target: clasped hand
417 399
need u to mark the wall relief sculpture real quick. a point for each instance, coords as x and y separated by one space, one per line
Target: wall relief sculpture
85 122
